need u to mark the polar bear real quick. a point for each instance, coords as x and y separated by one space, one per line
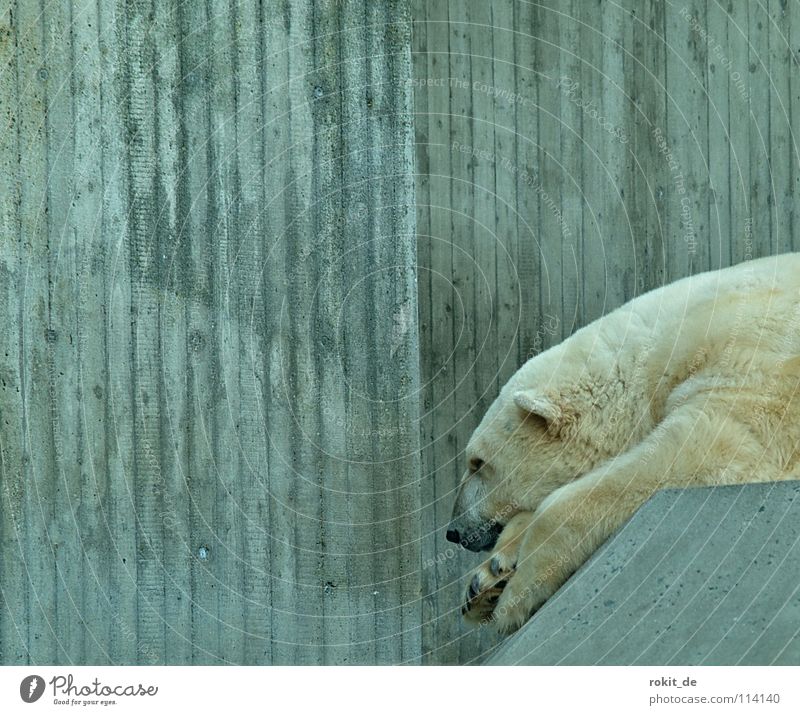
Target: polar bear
693 384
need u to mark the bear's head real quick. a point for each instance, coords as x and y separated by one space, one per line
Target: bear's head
528 444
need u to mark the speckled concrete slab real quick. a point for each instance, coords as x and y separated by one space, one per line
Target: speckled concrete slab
697 577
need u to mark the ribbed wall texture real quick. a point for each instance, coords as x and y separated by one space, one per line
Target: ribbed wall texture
216 445
208 353
572 154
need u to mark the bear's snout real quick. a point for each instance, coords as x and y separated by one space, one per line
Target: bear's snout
470 526
453 535
480 538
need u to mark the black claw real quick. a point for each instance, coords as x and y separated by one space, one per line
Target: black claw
494 566
474 586
464 610
501 584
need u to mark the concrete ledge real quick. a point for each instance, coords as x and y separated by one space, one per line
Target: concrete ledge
696 577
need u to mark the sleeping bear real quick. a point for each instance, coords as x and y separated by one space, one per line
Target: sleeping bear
693 384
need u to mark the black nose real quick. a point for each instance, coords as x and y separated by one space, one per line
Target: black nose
453 535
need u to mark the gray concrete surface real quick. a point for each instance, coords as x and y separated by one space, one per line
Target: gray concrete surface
212 316
696 577
208 333
571 155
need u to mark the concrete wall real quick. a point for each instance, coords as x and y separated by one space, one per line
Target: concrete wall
571 155
208 353
216 443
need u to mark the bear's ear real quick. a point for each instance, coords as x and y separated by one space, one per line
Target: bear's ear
542 406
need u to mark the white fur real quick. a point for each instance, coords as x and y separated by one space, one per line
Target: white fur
695 383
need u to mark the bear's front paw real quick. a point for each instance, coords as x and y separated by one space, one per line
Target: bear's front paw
518 602
537 578
486 585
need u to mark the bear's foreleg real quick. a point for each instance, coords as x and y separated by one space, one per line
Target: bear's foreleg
698 444
487 582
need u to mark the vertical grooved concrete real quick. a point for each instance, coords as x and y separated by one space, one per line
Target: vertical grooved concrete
209 374
573 155
220 352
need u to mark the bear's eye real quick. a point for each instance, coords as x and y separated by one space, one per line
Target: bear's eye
475 464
